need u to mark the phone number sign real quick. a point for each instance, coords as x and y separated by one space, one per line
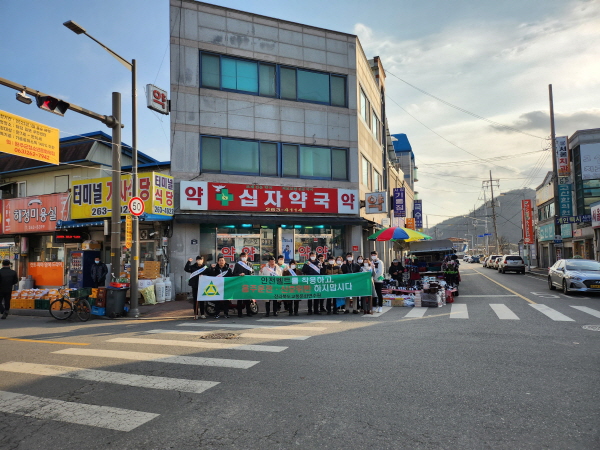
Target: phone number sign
208 196
92 198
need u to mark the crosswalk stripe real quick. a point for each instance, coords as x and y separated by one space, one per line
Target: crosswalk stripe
416 312
299 320
126 379
552 313
375 315
79 413
459 311
195 344
587 310
242 335
503 312
161 358
248 327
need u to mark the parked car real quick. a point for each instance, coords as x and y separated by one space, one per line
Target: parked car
484 261
474 259
490 261
511 263
466 257
575 275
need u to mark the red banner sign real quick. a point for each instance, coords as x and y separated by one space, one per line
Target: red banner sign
34 214
527 221
208 196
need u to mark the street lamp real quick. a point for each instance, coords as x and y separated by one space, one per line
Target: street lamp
116 178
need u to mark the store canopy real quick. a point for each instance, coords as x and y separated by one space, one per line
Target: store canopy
270 220
441 245
70 224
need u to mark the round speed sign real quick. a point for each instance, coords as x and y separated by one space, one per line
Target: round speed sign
136 206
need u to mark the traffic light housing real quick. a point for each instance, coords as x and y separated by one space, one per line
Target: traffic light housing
52 105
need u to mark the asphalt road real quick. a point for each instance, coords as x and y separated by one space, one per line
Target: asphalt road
519 371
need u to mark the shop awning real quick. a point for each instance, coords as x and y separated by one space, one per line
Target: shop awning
270 220
69 224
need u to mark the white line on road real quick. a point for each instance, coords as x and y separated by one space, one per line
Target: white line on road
242 335
416 312
375 315
486 296
161 358
503 312
196 344
552 313
459 311
585 309
82 414
244 327
299 320
126 379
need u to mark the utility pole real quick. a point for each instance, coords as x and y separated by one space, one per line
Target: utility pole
554 172
487 240
490 183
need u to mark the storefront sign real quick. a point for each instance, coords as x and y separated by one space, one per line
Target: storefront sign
157 99
590 161
355 248
565 207
546 232
284 288
376 203
595 214
47 273
208 196
418 214
29 139
68 237
574 219
527 221
128 231
34 214
562 156
92 198
410 223
399 202
566 231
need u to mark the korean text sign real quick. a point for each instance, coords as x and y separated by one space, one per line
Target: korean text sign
399 202
208 196
527 220
562 156
34 214
29 139
418 213
595 214
284 288
92 198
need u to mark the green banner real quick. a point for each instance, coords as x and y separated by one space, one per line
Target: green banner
302 287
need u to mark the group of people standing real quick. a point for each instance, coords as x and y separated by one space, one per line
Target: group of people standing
314 265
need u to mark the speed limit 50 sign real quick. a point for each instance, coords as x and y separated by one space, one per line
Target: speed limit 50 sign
136 206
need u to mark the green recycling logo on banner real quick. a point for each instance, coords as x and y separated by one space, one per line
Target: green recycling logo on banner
211 290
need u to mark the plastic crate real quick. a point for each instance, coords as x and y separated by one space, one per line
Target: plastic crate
100 302
41 304
101 293
28 304
80 293
97 311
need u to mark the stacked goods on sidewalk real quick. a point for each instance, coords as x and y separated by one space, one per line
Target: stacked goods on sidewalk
33 298
97 300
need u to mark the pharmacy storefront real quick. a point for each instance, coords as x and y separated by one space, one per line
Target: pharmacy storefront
262 220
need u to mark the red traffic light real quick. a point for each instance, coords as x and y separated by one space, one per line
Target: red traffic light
52 105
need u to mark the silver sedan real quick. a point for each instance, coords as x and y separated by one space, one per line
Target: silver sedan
575 275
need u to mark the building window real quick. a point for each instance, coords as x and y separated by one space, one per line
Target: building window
22 189
61 183
376 181
273 159
366 172
364 106
375 127
271 80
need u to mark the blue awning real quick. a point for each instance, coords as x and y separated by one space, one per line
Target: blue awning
69 224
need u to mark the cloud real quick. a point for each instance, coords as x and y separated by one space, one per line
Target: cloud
540 120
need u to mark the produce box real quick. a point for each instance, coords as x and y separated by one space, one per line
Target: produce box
80 293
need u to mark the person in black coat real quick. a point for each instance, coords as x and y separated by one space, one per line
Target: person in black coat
98 273
240 269
221 269
311 267
351 267
396 270
193 282
8 278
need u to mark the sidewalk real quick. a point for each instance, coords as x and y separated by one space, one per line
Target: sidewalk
539 271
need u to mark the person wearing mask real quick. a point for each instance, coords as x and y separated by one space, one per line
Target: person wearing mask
396 270
311 268
350 266
377 265
322 264
367 266
331 268
8 278
242 268
221 269
339 261
281 263
291 271
98 273
196 270
271 270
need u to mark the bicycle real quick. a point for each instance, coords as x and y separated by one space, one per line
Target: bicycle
63 308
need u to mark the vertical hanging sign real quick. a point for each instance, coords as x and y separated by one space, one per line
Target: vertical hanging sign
527 221
418 214
399 202
562 156
128 231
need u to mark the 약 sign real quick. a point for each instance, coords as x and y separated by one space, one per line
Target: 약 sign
29 139
376 202
209 196
157 99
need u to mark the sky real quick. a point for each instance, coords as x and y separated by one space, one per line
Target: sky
467 81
